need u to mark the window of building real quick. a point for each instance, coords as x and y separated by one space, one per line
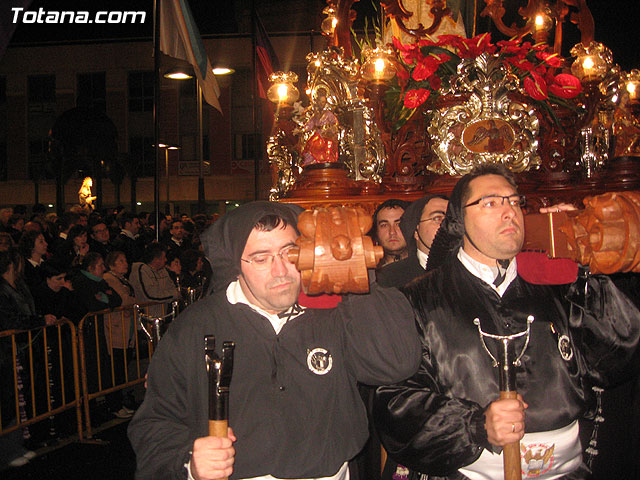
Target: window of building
38 159
245 146
41 92
92 90
143 155
140 91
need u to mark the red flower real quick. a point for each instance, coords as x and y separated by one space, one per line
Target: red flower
476 46
551 59
521 63
536 87
435 82
565 86
415 98
409 53
402 73
426 67
454 41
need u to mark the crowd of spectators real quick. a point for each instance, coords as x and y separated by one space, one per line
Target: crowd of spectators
63 267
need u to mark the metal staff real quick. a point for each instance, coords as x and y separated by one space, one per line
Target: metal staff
505 362
219 372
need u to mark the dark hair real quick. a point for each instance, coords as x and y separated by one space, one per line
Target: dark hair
5 240
189 259
125 217
482 170
13 219
75 232
112 257
172 255
9 257
270 222
153 251
173 222
27 243
390 203
67 219
89 260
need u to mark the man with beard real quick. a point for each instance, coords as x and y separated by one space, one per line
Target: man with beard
294 405
447 421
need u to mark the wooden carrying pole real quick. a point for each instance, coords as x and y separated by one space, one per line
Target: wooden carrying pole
510 452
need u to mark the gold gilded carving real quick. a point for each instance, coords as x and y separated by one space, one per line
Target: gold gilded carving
488 125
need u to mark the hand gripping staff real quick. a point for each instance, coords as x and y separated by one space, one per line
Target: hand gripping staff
506 363
219 372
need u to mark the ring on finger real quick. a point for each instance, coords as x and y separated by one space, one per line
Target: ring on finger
513 428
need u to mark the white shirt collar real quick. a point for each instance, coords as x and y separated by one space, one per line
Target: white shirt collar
127 233
236 295
422 258
35 264
488 274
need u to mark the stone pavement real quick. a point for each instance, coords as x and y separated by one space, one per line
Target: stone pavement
107 457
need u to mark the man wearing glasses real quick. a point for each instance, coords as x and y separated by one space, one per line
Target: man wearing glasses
419 224
294 406
447 421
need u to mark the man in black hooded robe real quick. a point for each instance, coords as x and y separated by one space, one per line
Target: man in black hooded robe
294 406
447 421
418 224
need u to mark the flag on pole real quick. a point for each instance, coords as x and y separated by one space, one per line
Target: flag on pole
180 38
266 58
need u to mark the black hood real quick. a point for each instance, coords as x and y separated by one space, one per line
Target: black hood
450 236
224 241
410 219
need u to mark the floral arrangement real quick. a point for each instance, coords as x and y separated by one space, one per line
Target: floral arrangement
426 66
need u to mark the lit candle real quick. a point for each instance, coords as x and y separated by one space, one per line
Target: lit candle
282 92
588 69
634 92
379 66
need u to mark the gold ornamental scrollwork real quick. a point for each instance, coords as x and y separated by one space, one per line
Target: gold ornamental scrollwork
488 125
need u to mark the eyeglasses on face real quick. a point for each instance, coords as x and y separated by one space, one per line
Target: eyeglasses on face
437 219
494 201
263 261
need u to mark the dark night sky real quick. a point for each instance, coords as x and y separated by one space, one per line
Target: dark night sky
616 22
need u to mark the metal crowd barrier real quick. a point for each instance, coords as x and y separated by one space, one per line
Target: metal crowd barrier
48 370
105 369
39 375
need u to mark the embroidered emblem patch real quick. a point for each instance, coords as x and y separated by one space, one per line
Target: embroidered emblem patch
537 459
319 361
564 346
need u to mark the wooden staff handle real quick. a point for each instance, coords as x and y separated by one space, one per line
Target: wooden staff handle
511 452
218 428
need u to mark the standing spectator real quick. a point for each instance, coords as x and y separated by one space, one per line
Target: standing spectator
193 275
174 267
151 280
119 329
55 294
177 240
33 248
6 242
5 214
386 230
73 250
94 294
127 240
15 226
17 311
99 238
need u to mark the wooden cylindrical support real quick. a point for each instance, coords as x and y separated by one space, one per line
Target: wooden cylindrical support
511 452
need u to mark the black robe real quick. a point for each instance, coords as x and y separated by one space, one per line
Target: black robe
434 422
